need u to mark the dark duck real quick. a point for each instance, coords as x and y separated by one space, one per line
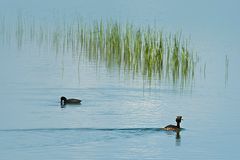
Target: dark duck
65 101
173 127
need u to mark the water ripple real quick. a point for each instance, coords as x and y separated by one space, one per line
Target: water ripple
80 129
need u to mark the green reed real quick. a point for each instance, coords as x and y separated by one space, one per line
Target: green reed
140 51
226 69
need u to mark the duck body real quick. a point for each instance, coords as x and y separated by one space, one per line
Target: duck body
174 127
65 101
171 128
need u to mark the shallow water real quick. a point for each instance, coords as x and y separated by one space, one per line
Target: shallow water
121 117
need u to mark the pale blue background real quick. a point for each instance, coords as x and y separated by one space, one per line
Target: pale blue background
33 126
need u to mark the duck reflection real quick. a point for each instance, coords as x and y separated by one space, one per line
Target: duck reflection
178 138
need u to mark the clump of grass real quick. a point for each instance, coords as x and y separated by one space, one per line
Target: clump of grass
140 51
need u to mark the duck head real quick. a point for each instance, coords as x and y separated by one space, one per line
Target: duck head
179 119
63 100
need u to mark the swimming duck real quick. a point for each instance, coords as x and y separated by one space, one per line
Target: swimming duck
173 127
64 101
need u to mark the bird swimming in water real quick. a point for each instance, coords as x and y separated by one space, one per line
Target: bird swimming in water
65 101
173 127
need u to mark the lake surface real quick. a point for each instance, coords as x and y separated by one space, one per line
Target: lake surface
120 117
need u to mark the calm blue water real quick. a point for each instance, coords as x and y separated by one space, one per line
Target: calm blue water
120 117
